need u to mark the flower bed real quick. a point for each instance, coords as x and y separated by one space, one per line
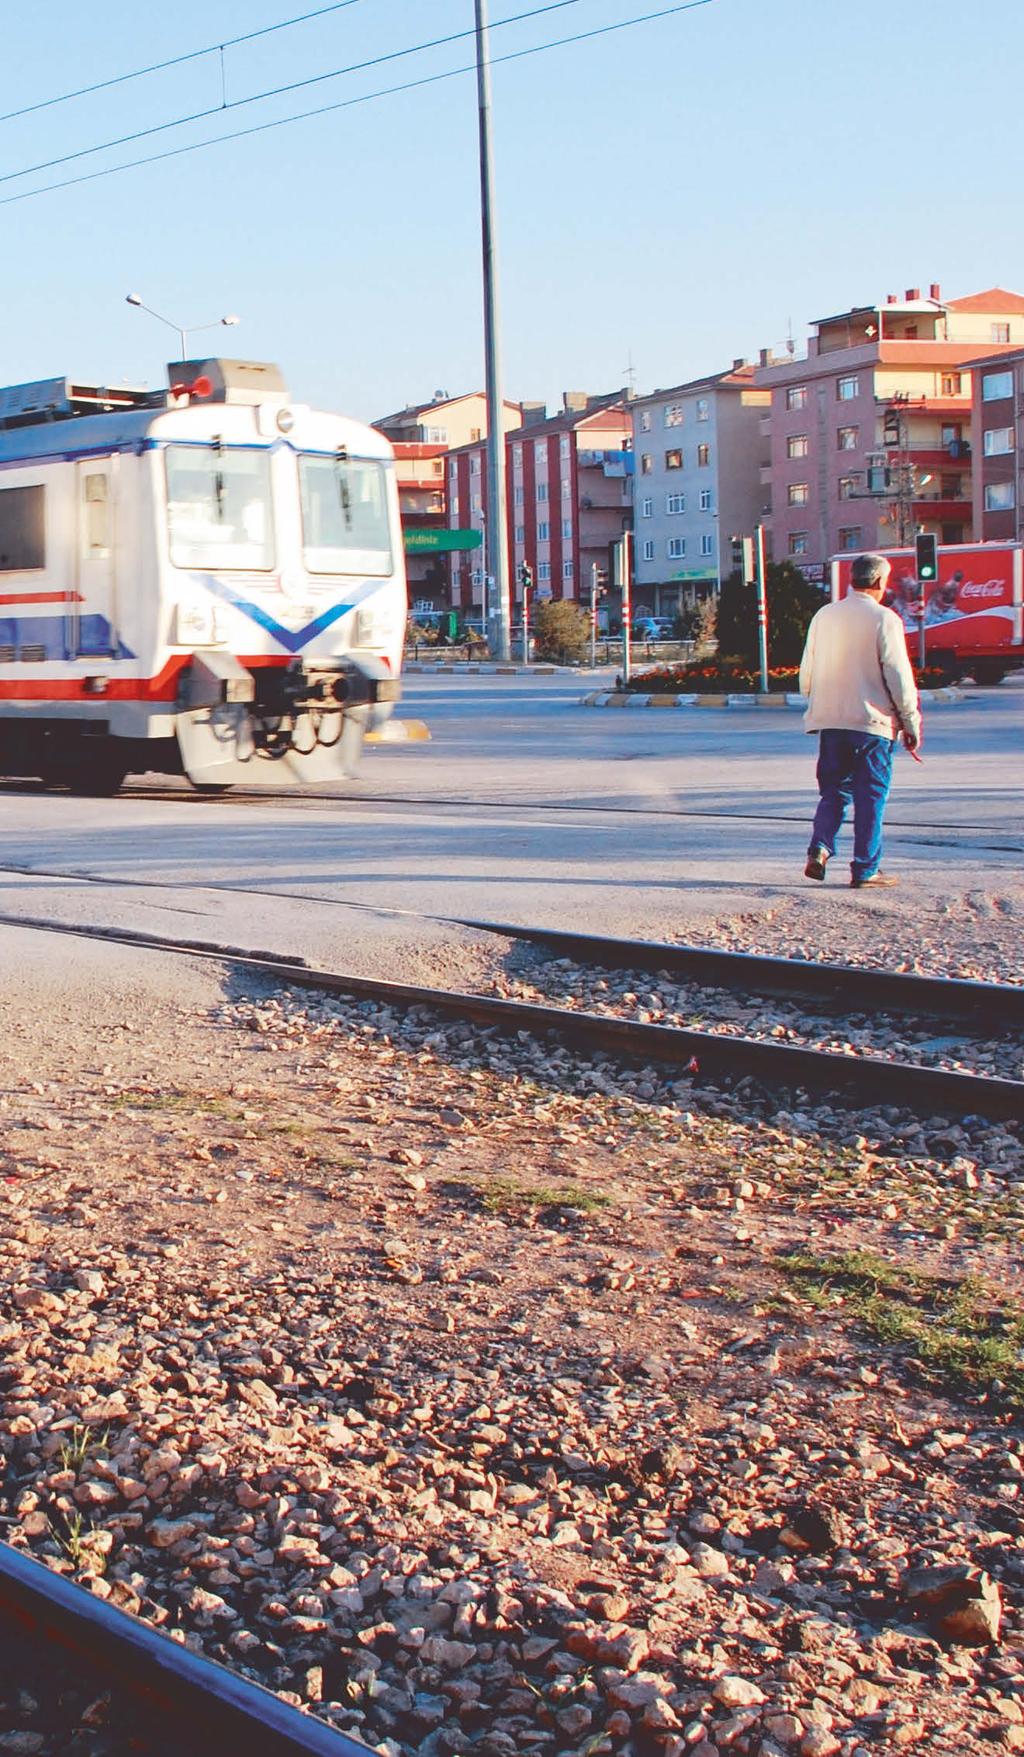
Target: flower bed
711 678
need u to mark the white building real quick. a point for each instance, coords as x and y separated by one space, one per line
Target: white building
699 449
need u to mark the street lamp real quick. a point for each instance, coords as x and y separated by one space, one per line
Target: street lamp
183 334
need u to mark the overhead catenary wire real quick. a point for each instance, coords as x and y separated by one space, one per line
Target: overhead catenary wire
351 103
103 85
277 91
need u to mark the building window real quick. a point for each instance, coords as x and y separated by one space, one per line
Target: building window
1000 332
676 548
703 409
566 488
646 463
543 531
998 441
705 500
796 396
847 487
846 438
645 421
849 537
474 464
995 385
439 435
453 508
517 494
848 388
540 453
543 570
563 448
999 496
648 548
952 383
707 544
453 471
520 533
798 493
673 460
797 445
673 414
703 456
675 503
542 491
798 542
567 530
646 507
567 570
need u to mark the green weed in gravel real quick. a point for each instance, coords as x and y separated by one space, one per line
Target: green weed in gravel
962 1331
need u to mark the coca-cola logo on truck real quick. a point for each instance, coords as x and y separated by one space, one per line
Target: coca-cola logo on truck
982 588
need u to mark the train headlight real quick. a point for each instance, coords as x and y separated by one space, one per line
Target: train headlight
195 625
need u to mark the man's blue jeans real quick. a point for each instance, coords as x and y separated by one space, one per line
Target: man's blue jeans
853 767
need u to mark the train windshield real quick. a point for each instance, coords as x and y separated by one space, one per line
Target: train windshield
219 507
345 526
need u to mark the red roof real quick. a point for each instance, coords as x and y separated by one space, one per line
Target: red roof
996 299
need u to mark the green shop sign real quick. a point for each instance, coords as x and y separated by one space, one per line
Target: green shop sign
437 542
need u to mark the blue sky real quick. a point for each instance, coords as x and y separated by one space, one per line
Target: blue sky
674 194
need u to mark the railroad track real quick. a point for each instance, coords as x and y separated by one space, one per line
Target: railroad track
867 1079
177 1699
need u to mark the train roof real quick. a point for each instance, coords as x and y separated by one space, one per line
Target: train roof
245 402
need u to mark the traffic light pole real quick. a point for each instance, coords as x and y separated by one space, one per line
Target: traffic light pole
762 611
593 614
496 557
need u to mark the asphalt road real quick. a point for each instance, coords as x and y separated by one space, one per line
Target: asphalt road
525 806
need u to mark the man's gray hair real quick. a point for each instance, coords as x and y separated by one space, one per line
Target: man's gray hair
868 571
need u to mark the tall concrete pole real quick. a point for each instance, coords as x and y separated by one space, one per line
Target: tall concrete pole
496 553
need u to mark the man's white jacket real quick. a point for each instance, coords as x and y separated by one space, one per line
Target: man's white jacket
856 671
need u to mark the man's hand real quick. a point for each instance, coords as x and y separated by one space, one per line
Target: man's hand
912 743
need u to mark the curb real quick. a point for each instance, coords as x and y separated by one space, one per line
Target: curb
603 698
400 732
466 669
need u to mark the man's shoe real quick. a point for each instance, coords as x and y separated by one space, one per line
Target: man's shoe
875 881
817 860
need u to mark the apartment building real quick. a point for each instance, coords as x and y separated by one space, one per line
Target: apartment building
870 431
699 450
422 435
997 433
569 493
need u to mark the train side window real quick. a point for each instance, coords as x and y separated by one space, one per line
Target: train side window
97 515
22 529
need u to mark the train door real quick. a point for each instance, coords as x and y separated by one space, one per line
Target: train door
92 613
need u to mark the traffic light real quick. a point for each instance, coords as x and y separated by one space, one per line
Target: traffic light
926 553
743 558
526 578
891 429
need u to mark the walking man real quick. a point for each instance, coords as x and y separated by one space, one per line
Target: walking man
861 698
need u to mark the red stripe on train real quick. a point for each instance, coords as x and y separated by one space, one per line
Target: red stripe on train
162 688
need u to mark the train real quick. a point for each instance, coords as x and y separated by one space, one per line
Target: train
970 621
205 580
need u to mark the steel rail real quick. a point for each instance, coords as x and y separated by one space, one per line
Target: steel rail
850 987
206 1709
865 1078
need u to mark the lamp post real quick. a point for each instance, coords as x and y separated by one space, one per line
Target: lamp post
182 334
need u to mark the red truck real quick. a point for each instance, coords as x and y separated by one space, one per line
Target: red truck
970 621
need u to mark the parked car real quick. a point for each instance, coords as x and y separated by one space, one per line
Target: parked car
654 628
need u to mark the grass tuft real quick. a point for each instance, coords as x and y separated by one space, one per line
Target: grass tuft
964 1332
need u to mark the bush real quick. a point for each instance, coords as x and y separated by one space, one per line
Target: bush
561 630
731 677
792 601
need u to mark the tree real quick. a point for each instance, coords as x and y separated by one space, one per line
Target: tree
792 601
561 629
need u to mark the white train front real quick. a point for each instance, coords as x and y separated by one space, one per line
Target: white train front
206 581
